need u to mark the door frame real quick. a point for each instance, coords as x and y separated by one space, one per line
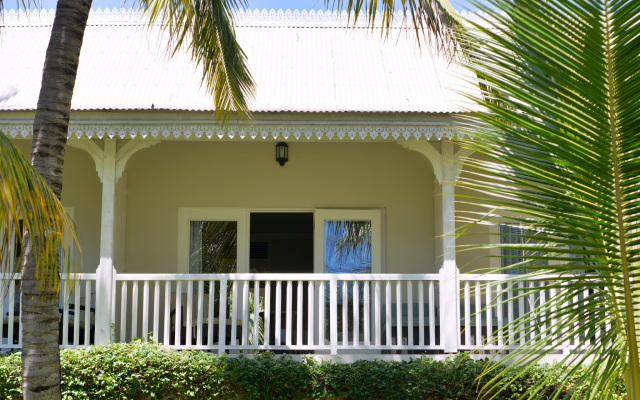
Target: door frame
242 216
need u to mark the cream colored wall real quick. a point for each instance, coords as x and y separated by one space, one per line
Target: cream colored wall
82 190
245 175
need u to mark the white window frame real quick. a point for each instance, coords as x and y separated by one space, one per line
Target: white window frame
377 231
187 215
495 238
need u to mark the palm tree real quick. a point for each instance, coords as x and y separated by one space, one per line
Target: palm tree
206 29
211 41
27 204
561 134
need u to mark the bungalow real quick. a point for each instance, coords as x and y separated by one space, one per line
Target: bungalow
320 225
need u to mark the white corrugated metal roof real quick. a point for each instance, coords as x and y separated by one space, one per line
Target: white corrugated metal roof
301 62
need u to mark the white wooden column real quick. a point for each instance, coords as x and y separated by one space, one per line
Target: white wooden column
444 224
110 164
105 272
447 166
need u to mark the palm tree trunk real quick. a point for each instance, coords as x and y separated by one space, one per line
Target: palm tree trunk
40 354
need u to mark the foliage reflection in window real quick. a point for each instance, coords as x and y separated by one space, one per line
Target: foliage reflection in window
213 247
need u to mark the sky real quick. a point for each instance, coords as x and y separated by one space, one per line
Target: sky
253 4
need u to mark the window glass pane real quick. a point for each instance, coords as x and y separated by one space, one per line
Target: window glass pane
213 247
347 249
347 246
513 234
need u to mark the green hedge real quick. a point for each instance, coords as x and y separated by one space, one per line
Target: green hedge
141 370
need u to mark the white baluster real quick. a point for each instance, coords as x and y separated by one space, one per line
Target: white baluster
288 326
245 313
188 330
299 308
76 314
333 313
532 307
488 313
200 315
367 313
345 315
87 312
387 325
123 312
222 316
134 310
467 313
278 311
256 312
554 321
510 315
522 333
178 322
167 313
156 310
145 310
356 313
311 305
399 313
234 313
543 315
499 313
267 312
321 313
410 313
377 314
432 313
421 313
210 314
478 315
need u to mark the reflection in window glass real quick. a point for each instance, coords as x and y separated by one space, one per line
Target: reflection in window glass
347 249
517 235
213 247
347 246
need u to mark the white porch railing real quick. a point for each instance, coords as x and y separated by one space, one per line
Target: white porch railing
322 313
77 311
331 312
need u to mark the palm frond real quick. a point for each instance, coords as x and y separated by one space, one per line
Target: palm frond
27 204
206 28
435 20
562 145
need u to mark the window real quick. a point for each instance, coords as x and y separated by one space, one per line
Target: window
348 241
516 234
213 240
217 240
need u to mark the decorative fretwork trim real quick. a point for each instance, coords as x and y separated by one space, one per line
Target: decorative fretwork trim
241 18
356 132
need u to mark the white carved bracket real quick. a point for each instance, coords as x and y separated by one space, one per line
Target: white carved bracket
447 166
126 151
93 149
122 155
